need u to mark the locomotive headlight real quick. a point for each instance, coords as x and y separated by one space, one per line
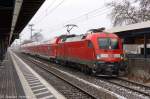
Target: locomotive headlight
121 56
117 56
99 56
104 55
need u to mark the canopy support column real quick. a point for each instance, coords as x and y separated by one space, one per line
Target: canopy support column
145 46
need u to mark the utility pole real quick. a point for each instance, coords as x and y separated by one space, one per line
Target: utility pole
70 27
31 30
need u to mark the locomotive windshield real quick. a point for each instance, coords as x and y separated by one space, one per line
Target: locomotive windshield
108 43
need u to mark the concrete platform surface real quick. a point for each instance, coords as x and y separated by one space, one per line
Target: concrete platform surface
10 85
20 81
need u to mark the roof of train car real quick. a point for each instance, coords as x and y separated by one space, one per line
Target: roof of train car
71 38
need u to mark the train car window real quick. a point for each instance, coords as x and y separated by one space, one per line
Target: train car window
90 45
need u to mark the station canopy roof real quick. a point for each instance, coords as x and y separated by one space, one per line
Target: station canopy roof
14 16
136 26
134 33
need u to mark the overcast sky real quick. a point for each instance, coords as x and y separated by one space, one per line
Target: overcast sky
54 14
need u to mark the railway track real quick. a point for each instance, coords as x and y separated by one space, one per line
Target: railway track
131 86
63 79
137 87
52 72
95 92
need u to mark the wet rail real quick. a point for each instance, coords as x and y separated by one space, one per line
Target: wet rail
91 90
60 76
137 87
99 82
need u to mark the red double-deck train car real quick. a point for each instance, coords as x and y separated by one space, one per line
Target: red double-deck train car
98 53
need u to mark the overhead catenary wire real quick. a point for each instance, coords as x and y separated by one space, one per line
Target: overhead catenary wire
92 12
51 4
89 15
44 14
50 11
82 18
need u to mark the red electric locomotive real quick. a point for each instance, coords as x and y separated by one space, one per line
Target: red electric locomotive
96 52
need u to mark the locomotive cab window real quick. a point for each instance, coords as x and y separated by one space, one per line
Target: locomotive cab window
114 43
108 43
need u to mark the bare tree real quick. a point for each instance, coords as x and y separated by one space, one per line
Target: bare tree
27 41
128 12
37 37
144 3
144 9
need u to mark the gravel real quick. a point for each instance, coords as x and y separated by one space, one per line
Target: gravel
102 83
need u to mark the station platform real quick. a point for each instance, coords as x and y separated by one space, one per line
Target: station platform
20 81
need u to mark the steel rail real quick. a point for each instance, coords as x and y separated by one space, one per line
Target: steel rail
44 67
134 86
